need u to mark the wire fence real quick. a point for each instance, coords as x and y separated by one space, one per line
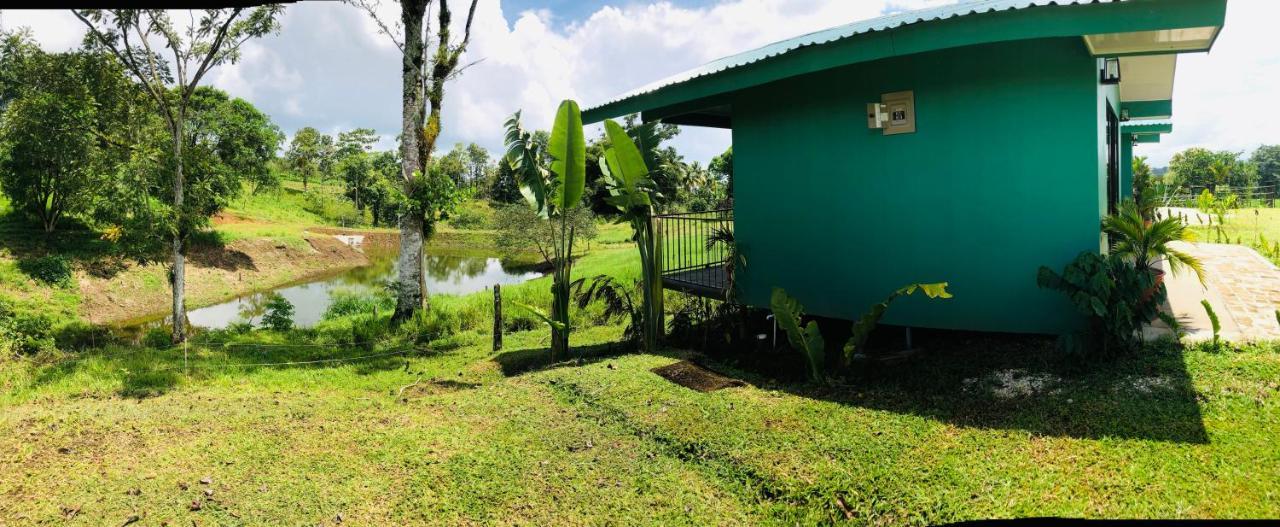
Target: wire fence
1259 196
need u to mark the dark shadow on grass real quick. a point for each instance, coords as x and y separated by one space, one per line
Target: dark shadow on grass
1000 381
146 372
516 362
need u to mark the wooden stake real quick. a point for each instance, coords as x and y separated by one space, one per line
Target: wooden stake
497 317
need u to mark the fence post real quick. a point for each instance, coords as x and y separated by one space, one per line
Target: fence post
497 317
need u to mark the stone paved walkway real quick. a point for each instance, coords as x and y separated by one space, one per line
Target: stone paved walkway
1244 289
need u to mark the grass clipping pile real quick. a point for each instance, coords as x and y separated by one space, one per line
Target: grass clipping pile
696 377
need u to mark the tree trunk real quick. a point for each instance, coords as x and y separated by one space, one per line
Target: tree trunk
179 283
409 291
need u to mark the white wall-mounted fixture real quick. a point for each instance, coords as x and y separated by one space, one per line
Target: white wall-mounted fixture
877 115
1110 73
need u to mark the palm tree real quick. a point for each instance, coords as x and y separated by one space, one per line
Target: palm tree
1147 244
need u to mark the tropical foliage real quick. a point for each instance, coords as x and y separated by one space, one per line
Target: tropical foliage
554 190
1147 243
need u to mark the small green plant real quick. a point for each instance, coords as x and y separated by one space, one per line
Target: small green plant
618 303
52 269
788 312
862 328
279 314
1213 321
24 333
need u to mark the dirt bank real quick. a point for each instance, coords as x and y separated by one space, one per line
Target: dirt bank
214 274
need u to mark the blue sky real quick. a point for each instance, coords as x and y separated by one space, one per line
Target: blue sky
329 68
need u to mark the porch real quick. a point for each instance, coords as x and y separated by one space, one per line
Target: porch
694 250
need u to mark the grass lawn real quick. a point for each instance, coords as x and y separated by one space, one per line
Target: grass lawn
1251 227
448 432
982 430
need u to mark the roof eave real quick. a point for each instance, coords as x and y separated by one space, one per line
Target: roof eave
1017 24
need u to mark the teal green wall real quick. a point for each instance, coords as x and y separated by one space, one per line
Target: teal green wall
998 180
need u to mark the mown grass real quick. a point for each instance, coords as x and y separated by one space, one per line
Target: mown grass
1255 227
484 437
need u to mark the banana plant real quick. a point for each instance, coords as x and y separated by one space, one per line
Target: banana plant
554 189
626 177
863 326
807 339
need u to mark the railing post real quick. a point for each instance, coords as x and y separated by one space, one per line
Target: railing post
655 224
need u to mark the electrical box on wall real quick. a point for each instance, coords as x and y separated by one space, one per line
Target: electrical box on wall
894 114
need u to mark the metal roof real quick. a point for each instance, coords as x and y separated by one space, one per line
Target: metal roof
893 21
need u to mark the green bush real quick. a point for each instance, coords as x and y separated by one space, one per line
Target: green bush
51 269
279 315
24 333
1109 291
159 337
333 209
472 215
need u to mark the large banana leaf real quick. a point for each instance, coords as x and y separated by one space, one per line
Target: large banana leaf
568 149
862 328
524 158
625 170
808 340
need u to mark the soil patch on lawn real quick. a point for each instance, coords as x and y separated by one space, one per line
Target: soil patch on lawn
696 377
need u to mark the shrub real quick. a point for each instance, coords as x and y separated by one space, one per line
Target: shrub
24 333
1117 298
279 314
472 215
51 269
367 330
332 208
159 337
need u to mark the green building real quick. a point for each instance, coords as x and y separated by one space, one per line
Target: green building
970 143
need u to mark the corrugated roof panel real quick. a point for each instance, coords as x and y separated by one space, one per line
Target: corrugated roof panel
883 23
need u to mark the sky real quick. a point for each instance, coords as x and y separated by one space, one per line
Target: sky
329 68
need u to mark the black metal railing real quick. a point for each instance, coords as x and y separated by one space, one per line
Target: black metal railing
684 253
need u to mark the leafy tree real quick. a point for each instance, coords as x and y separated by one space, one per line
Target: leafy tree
382 193
356 171
305 154
352 142
454 165
722 165
521 229
478 164
52 161
1267 161
1203 168
213 37
229 142
422 100
667 164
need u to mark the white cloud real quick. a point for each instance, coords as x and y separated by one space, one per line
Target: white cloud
1227 99
331 69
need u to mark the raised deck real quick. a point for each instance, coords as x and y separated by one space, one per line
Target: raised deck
690 261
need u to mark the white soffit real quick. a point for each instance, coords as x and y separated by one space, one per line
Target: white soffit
1164 40
1147 77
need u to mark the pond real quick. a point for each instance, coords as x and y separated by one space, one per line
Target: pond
446 274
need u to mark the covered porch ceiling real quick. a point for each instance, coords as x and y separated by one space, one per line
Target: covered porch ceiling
1147 35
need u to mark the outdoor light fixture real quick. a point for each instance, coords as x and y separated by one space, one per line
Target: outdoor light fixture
1124 114
1111 71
